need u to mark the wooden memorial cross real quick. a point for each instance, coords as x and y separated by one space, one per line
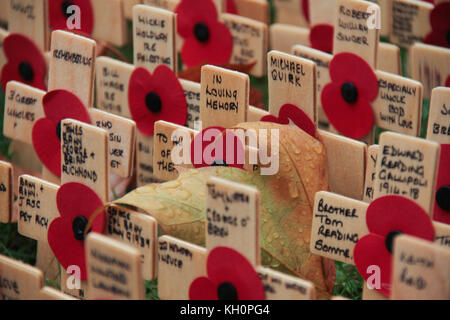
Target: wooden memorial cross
23 282
84 160
397 105
250 42
291 12
292 81
410 22
232 224
439 131
29 18
224 97
36 211
114 269
4 15
371 162
284 36
340 222
167 137
6 192
150 52
421 270
136 230
430 65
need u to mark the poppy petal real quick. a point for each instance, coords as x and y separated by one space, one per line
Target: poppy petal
348 67
321 37
58 18
220 47
437 38
397 213
62 104
439 18
202 289
352 120
190 12
19 48
305 9
447 82
228 265
443 179
166 85
47 145
298 117
66 248
194 53
231 7
73 200
371 251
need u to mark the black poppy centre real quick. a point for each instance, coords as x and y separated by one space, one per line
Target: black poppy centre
219 163
26 71
227 291
443 198
78 226
153 102
201 32
389 241
58 130
349 92
64 6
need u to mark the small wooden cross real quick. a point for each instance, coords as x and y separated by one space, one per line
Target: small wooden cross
250 42
290 12
6 192
114 269
410 22
420 270
430 65
23 282
232 212
224 98
439 131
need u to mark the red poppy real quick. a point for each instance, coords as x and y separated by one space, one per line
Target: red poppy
206 39
447 82
290 112
230 277
76 204
231 7
386 218
321 37
57 10
440 26
217 146
346 100
46 133
442 204
305 9
25 64
157 96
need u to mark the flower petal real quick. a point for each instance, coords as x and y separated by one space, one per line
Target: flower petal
437 38
298 117
164 83
348 67
440 18
66 248
443 179
62 104
305 9
228 265
202 289
321 37
58 18
47 145
398 213
371 251
231 7
190 12
352 120
19 48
